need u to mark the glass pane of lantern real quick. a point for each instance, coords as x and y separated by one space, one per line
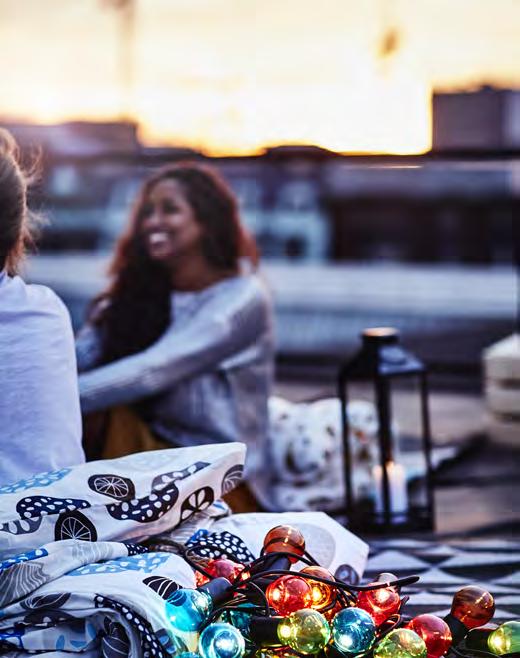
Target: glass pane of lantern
364 444
409 451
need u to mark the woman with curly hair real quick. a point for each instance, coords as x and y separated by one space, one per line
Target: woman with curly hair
182 336
40 422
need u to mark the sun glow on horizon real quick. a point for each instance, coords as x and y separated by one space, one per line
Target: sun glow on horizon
228 77
370 112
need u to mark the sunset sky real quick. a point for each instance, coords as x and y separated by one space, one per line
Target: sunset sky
237 75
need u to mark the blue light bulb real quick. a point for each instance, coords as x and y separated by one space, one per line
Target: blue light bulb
353 631
221 640
188 654
188 609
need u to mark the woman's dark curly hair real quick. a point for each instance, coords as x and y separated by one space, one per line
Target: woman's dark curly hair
135 310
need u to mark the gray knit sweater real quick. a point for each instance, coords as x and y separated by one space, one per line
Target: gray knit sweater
207 379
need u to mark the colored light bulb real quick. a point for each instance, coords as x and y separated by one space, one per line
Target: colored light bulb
353 630
379 603
222 567
322 594
305 631
221 640
401 643
285 538
434 631
288 594
386 577
472 606
241 619
188 654
188 609
505 639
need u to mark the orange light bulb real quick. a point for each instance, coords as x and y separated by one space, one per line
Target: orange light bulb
285 538
473 606
322 593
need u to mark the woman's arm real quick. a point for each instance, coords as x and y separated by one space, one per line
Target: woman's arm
88 348
227 323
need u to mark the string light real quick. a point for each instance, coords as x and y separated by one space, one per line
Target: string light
221 567
401 643
269 615
305 631
386 577
221 640
434 631
188 609
288 594
285 538
472 606
241 619
322 593
505 639
379 603
353 631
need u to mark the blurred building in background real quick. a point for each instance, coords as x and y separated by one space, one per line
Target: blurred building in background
347 241
486 119
305 203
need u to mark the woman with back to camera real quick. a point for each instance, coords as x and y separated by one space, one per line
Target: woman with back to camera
183 333
40 422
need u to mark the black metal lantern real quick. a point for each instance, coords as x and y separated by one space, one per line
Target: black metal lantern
381 363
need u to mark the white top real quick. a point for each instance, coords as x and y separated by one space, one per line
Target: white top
40 421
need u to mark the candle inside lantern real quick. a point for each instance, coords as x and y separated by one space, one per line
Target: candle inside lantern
396 486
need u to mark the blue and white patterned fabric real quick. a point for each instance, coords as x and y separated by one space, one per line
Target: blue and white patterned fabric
129 498
104 598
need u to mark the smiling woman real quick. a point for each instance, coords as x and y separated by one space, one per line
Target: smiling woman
183 334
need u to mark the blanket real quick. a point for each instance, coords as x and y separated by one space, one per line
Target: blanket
99 598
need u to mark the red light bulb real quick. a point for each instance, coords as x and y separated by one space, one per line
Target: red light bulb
285 538
288 594
434 631
473 606
379 603
225 568
322 593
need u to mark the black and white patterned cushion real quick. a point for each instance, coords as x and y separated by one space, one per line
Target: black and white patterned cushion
220 544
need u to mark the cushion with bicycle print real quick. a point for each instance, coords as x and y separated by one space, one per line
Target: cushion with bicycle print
129 498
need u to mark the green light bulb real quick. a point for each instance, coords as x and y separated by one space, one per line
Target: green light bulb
401 643
305 631
505 639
